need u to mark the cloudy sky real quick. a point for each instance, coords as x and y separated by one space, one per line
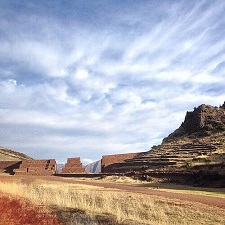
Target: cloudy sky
95 77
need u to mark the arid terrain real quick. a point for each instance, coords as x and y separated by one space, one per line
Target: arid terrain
109 200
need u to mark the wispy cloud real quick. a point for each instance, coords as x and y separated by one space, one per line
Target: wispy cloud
92 78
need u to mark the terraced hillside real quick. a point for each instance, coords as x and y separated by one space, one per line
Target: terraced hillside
9 155
197 145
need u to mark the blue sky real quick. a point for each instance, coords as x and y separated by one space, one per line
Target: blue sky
89 78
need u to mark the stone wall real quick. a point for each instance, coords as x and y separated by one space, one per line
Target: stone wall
9 166
108 160
73 165
37 167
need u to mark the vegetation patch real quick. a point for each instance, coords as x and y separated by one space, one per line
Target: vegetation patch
85 204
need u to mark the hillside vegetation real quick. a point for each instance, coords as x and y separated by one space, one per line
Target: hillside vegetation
85 204
10 155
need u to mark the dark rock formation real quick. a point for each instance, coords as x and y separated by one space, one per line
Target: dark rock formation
203 121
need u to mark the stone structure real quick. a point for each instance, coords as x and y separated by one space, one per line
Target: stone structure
73 165
108 161
37 167
9 166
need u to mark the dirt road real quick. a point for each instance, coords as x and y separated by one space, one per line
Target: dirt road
192 198
208 200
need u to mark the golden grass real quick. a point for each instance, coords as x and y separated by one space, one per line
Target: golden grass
124 205
169 187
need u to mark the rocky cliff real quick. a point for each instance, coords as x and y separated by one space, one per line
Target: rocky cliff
203 121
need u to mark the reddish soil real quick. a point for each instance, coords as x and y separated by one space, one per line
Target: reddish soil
208 200
192 198
17 212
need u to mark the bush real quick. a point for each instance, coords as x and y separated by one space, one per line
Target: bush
188 164
210 117
103 176
209 127
207 160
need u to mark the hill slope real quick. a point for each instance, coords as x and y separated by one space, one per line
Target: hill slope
197 145
9 155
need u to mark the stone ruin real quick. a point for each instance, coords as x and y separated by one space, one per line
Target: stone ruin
73 165
37 167
109 160
9 166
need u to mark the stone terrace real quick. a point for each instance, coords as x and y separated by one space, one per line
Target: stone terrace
169 158
109 161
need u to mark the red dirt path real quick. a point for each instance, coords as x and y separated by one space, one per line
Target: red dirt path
192 198
208 200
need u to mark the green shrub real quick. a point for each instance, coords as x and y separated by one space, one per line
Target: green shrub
207 160
188 164
102 177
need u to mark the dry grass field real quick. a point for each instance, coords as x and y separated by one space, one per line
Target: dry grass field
17 211
86 204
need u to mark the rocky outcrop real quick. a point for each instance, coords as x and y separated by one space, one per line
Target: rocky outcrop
197 145
204 120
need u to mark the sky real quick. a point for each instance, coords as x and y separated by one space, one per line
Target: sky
98 77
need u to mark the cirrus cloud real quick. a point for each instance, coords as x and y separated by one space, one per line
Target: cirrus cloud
92 78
